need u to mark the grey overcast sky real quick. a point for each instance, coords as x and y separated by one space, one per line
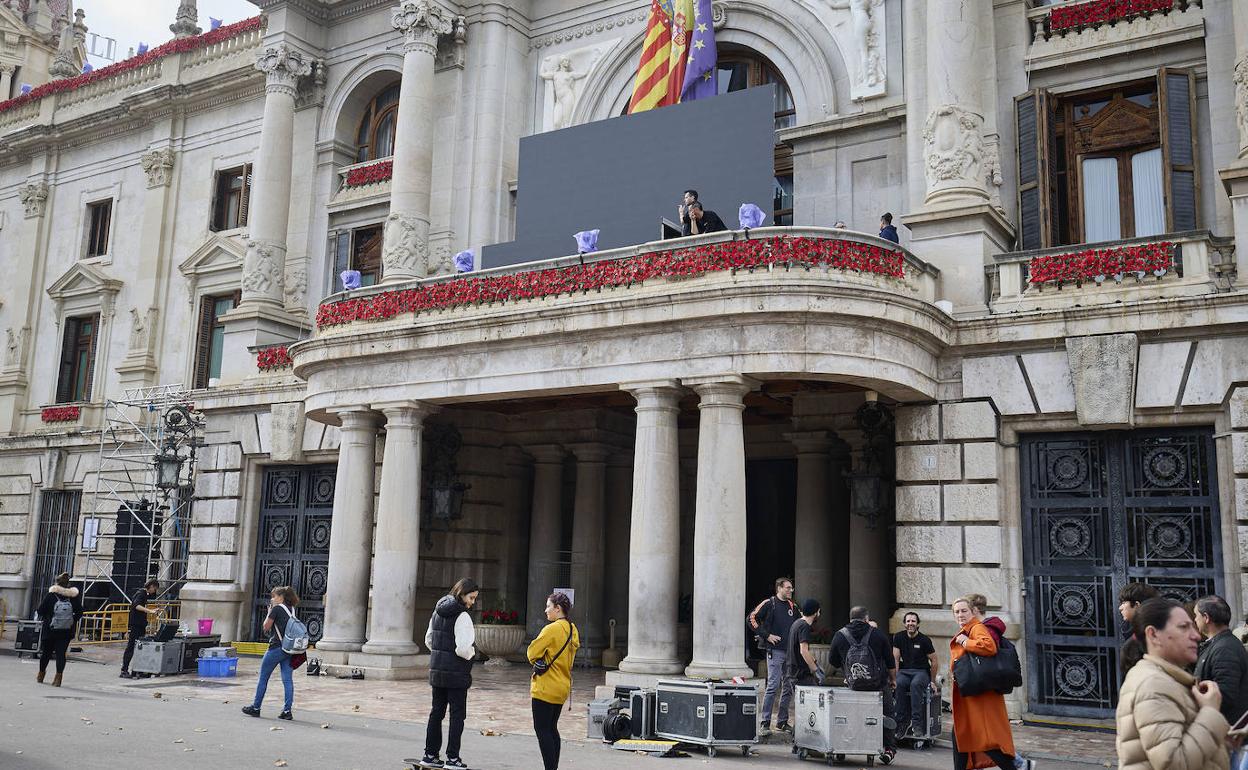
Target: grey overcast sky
130 22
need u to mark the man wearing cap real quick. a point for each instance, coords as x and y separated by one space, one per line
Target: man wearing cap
801 661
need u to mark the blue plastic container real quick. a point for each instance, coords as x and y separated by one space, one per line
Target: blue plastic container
218 667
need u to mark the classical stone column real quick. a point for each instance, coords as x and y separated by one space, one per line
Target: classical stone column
405 249
350 535
265 263
589 544
1241 75
545 531
392 631
812 546
1235 177
6 80
654 540
720 536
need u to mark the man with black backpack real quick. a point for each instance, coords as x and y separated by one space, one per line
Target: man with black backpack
865 656
770 622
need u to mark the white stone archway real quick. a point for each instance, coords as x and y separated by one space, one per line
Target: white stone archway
346 102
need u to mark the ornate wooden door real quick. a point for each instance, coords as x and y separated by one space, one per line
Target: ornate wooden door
1101 510
293 544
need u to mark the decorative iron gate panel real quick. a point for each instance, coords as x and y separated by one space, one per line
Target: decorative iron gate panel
293 543
1101 510
55 547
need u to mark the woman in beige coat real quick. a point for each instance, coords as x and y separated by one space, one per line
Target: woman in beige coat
1166 720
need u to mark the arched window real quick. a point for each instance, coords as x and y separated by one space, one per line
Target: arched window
375 139
741 68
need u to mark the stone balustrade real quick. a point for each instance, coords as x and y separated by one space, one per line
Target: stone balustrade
1080 30
363 183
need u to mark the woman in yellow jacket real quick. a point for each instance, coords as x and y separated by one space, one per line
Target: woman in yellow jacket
556 647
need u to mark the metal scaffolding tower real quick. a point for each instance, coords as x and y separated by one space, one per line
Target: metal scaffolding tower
138 522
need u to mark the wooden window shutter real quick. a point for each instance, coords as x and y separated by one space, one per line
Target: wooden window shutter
1037 193
1177 91
244 204
91 351
65 373
342 258
203 345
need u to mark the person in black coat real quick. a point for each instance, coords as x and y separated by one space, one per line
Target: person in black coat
1222 657
450 640
861 629
60 611
701 221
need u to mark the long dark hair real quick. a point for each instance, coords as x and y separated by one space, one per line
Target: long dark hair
1155 613
289 597
463 587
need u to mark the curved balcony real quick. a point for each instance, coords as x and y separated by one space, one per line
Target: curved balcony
809 302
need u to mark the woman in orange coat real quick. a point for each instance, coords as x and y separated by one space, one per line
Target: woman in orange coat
981 728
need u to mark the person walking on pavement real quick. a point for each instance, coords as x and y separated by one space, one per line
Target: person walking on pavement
981 726
865 657
139 612
60 611
552 654
915 656
771 621
450 640
800 665
1165 718
1130 598
282 603
1222 657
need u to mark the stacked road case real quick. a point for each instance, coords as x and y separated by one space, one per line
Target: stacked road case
708 714
837 722
929 729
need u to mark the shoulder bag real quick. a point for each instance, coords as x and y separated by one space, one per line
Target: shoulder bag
976 674
541 666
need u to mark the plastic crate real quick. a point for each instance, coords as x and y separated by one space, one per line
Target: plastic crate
251 648
218 667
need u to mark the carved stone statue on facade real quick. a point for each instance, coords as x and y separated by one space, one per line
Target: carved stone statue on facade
563 80
866 23
296 286
13 347
954 147
34 195
138 329
158 165
1241 104
184 21
406 247
262 273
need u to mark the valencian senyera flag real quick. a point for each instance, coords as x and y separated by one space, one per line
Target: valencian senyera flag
677 55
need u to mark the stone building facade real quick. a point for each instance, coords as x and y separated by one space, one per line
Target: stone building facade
1039 396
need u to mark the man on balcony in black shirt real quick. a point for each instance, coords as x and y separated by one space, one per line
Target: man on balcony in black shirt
701 221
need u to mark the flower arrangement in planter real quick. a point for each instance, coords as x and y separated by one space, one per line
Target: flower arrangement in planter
806 253
176 46
273 358
60 413
499 633
373 173
1103 12
1101 264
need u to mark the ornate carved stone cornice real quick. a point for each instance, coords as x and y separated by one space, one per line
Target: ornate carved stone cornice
421 23
588 30
282 66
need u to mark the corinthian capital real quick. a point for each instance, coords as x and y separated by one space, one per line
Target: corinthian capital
282 67
421 22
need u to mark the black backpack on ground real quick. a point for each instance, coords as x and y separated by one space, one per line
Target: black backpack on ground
863 672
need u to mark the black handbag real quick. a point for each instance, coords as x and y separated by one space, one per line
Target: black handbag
541 666
976 674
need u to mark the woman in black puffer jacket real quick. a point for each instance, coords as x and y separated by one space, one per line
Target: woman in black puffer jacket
60 611
450 640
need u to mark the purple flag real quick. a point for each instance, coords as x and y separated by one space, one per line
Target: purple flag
700 80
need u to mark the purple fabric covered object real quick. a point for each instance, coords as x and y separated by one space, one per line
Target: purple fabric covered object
350 279
751 216
587 241
464 261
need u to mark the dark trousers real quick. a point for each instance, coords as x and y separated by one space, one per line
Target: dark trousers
890 727
912 687
457 699
54 645
1003 760
135 635
546 725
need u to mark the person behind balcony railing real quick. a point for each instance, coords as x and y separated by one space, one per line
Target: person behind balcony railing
701 221
887 230
682 208
450 639
60 611
139 612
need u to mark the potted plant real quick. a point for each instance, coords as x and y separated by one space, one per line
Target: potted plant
499 633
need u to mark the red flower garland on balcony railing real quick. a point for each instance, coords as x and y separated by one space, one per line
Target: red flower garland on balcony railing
1099 264
370 174
535 284
60 413
1103 11
270 359
177 45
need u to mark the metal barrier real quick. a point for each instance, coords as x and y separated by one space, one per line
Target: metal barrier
111 622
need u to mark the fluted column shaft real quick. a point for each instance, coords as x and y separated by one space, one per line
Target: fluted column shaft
719 530
351 532
545 531
397 542
269 214
405 249
654 540
1240 21
589 543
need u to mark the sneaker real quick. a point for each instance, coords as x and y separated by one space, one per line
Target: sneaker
888 755
765 726
251 711
454 762
784 727
126 675
286 715
1024 764
432 761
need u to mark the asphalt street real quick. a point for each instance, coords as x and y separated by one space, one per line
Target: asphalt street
179 724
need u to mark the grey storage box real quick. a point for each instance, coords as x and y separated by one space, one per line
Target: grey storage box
837 722
157 658
709 714
217 652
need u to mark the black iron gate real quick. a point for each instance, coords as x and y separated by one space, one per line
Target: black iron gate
293 544
54 550
1101 510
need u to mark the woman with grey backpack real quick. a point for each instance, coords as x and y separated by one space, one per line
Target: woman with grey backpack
288 642
60 612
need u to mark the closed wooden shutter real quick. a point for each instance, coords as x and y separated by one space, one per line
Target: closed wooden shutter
203 346
1037 202
1177 90
91 349
69 349
244 205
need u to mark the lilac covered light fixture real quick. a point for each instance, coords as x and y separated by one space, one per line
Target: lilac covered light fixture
350 279
464 261
751 216
587 241
214 23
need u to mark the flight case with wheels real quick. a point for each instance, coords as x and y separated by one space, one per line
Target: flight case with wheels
28 635
836 722
922 735
712 714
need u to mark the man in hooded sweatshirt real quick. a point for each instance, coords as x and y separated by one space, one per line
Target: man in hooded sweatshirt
877 673
450 640
60 611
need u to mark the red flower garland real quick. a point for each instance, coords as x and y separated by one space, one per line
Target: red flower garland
276 357
535 284
60 413
1091 264
499 617
177 45
1102 11
370 174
